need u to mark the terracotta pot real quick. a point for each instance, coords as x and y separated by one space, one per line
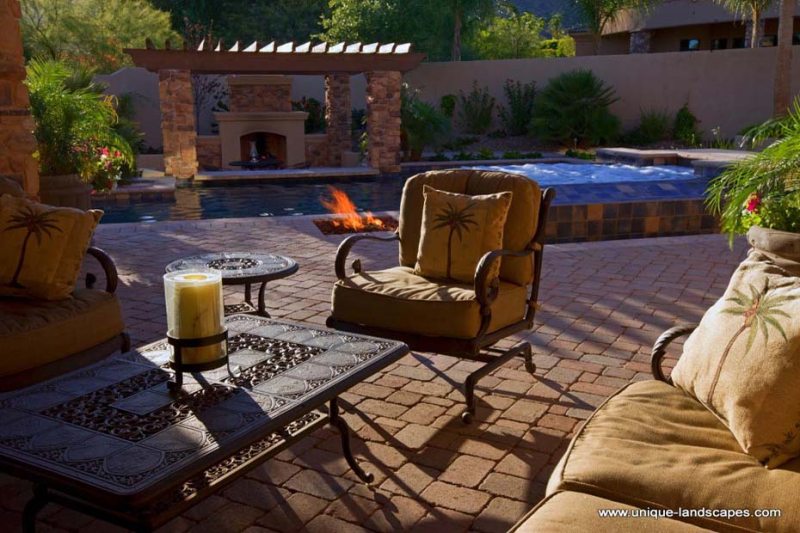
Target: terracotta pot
65 191
782 247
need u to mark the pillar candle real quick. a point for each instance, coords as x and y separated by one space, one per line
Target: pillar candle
195 310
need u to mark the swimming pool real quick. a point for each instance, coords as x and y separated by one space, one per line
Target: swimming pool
575 184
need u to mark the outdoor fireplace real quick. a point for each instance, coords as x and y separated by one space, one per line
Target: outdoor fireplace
265 144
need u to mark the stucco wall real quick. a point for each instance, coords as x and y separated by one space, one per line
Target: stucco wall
730 89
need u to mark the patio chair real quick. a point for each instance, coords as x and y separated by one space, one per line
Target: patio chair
443 316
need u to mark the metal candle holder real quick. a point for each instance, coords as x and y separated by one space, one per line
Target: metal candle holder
180 367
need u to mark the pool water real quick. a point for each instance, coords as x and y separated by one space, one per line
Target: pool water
302 197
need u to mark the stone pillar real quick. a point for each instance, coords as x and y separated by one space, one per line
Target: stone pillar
17 143
260 93
178 123
338 116
383 120
640 42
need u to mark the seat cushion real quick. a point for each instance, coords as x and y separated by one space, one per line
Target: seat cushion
399 300
568 512
521 222
652 445
37 332
457 230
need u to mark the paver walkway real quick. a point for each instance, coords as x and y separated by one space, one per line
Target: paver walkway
603 306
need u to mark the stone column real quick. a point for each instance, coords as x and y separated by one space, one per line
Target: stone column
17 143
178 123
338 115
640 42
383 120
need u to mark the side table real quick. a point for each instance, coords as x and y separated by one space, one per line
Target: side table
242 268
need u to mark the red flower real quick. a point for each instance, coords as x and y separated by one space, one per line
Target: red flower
753 203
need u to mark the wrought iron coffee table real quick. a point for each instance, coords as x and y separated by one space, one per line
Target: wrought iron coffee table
242 268
110 440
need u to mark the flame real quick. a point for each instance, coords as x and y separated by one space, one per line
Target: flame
346 214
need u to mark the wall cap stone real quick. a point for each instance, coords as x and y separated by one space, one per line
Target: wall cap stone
259 79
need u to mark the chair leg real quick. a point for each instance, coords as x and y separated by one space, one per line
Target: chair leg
125 342
523 349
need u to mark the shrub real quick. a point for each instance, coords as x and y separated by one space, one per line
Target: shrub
315 122
573 109
448 105
512 154
74 123
485 153
422 124
517 116
578 154
464 156
475 110
685 129
439 156
533 155
654 126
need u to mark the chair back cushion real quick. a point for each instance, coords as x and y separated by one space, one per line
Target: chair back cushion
43 247
457 230
521 222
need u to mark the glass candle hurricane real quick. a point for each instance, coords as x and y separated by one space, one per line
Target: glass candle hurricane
195 311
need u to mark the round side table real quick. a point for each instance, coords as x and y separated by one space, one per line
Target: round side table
242 268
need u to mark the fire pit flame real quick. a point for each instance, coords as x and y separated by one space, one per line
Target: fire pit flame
347 216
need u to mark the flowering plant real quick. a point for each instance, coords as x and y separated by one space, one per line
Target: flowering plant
764 189
108 168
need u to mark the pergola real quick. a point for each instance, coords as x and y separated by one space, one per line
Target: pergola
382 64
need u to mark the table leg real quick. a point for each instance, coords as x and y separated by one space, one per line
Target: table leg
262 306
33 507
247 297
344 432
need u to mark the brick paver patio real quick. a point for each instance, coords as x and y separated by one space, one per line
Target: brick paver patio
603 304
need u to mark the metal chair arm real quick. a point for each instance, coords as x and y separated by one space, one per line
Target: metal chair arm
344 250
109 268
485 289
660 349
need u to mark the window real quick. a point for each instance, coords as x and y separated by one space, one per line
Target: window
738 42
796 38
690 45
769 40
719 44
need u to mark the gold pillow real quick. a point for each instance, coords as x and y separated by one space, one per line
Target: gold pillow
43 247
457 230
743 361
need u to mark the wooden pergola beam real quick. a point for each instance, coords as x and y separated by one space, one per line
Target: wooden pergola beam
275 62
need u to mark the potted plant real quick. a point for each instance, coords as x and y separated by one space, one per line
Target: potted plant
74 125
760 195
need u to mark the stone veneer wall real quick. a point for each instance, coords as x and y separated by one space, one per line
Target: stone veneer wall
17 143
318 150
178 123
338 116
383 120
257 94
209 151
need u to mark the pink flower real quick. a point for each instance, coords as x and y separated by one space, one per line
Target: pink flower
753 203
104 151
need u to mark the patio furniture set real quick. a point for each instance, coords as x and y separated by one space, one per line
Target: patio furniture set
114 440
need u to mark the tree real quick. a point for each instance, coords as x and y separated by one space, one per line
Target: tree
91 34
751 8
512 35
598 14
463 13
783 63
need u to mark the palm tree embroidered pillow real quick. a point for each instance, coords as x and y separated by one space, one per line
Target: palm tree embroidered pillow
43 247
457 230
743 361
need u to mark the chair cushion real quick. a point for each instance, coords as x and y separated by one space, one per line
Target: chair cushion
457 230
521 222
399 300
742 362
37 332
43 247
568 512
652 445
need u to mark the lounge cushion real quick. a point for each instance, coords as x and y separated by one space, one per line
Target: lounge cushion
457 230
521 223
399 300
652 445
569 512
36 332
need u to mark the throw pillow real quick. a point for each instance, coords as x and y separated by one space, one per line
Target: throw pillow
743 361
43 247
457 230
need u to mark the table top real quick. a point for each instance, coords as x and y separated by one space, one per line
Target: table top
239 267
112 431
